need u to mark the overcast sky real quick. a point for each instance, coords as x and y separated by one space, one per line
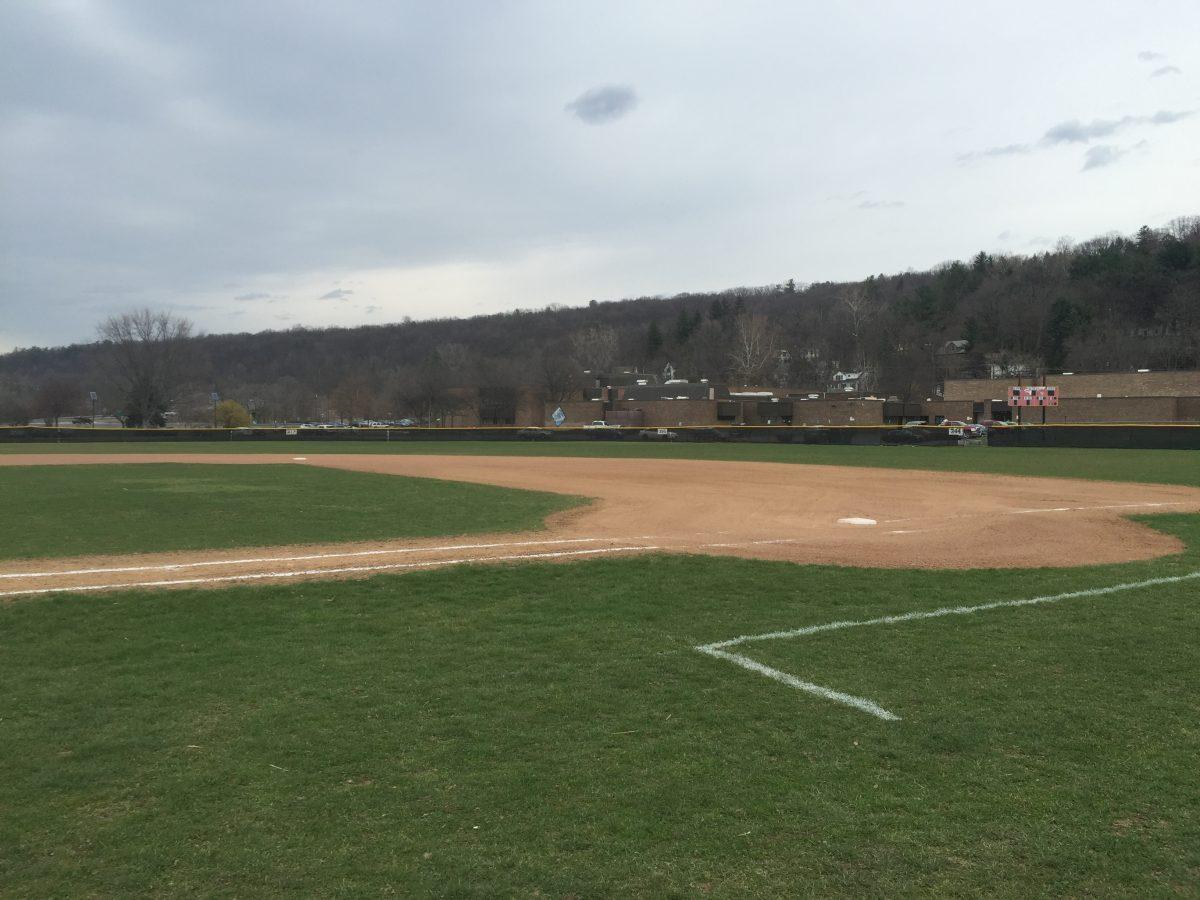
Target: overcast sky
266 164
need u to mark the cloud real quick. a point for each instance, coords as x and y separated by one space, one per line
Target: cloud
1166 70
252 296
606 103
881 204
1151 56
1101 155
992 152
1074 131
337 294
1166 117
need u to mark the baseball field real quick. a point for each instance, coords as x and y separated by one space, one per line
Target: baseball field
482 669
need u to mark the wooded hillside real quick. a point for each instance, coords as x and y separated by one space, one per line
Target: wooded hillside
1109 304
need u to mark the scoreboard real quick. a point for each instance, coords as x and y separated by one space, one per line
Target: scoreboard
1034 395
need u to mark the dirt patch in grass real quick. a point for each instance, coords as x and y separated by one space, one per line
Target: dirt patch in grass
810 514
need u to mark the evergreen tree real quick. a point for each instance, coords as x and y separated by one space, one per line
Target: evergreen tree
654 341
684 325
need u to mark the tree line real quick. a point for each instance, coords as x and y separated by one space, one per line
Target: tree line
1116 302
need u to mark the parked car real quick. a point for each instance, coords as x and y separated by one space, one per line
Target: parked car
534 434
964 429
657 434
599 425
708 434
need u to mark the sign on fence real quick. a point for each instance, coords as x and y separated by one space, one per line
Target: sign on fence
558 416
1035 395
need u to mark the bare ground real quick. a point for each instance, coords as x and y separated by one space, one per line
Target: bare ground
758 510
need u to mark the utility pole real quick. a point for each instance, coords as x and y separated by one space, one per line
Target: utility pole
92 396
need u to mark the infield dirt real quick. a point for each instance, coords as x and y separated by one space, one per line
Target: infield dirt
772 511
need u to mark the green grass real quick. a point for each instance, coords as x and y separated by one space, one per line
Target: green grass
549 728
85 510
1151 466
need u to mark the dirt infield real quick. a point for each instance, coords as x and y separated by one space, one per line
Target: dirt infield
798 513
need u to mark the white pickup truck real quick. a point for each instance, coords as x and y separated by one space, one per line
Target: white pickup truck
599 424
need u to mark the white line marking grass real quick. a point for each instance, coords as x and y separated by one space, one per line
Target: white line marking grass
1039 509
171 567
300 573
719 649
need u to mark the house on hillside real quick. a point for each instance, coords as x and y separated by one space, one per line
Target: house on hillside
847 382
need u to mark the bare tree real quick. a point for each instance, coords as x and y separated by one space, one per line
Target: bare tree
353 398
560 376
57 397
860 309
755 341
426 392
15 402
147 353
595 348
708 351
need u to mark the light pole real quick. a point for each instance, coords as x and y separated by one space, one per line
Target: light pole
92 397
215 397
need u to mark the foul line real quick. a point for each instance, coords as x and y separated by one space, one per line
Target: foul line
1039 509
301 573
170 567
718 650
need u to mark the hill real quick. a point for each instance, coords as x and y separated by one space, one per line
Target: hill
1111 303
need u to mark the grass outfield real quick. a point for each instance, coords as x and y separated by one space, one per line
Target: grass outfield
1148 466
550 728
86 510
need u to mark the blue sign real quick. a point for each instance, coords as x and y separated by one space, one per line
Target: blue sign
558 416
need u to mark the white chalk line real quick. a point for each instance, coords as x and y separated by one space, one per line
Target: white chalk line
860 703
302 573
718 650
389 551
450 548
1037 509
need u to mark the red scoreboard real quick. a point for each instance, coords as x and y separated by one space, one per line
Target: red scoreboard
1034 395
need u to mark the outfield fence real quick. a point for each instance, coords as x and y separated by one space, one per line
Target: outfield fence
1165 436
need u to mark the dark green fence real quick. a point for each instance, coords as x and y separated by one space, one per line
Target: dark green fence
1174 437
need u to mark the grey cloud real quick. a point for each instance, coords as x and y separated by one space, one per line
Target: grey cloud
194 152
992 152
1166 117
1101 155
1166 70
1076 132
606 103
881 204
252 296
337 294
1151 56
